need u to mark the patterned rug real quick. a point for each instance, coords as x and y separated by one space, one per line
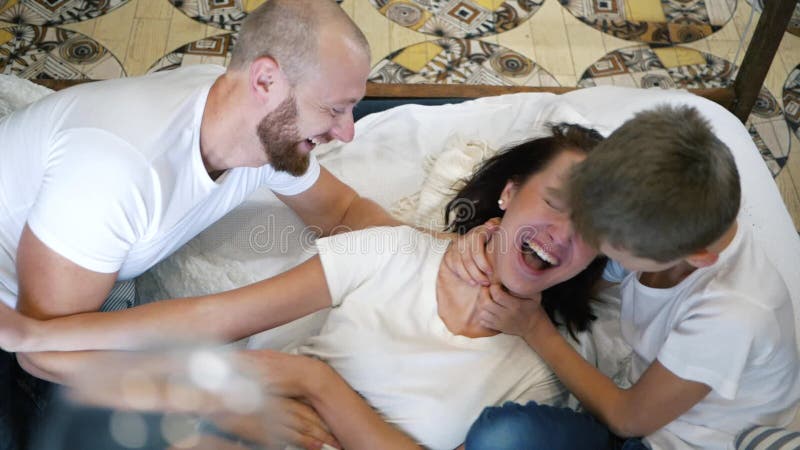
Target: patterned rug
225 14
458 18
680 67
460 61
791 100
54 12
213 50
794 22
36 52
654 21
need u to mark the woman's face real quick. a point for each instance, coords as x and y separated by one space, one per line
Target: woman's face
536 246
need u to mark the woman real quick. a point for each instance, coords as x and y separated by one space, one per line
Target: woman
402 351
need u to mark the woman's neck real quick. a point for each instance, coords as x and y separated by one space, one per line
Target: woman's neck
458 303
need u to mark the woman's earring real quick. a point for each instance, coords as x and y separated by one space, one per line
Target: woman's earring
500 203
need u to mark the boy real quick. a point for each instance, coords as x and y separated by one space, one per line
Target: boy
709 319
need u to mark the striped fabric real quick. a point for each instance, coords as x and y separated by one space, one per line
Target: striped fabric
122 296
768 438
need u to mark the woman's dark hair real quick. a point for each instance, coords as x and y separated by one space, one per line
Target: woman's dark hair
476 203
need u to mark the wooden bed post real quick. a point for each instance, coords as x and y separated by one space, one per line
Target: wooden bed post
760 53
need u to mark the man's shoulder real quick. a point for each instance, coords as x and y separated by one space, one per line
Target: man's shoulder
153 91
100 161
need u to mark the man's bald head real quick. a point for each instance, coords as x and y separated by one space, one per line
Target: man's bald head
290 31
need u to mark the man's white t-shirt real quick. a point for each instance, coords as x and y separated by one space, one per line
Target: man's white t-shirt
384 336
109 175
729 326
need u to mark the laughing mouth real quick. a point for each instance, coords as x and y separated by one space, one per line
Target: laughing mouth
314 141
537 256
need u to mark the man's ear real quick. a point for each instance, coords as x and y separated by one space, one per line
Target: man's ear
702 258
266 79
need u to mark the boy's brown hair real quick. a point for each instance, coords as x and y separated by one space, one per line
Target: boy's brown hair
662 186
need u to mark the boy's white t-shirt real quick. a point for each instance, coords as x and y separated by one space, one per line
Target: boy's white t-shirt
729 326
109 175
384 336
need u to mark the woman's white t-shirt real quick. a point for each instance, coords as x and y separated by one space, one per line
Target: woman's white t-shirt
384 336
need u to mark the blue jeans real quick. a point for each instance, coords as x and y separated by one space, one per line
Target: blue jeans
23 399
9 439
540 427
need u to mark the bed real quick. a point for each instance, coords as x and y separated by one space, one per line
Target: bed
413 141
406 158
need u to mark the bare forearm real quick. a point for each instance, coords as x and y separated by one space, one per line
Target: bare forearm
596 392
146 326
66 368
220 317
354 423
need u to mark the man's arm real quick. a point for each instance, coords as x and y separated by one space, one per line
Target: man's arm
225 316
51 286
657 398
335 207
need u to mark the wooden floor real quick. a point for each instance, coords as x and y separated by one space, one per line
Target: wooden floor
140 32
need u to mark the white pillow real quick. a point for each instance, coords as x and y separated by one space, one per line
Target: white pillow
17 92
445 175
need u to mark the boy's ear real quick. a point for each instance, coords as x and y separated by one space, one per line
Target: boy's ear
702 258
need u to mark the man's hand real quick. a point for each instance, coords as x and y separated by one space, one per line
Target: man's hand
503 312
467 256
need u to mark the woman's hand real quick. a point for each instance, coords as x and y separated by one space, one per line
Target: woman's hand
467 255
503 312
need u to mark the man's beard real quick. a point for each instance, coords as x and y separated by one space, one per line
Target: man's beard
280 138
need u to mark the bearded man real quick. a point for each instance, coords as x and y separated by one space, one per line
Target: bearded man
102 181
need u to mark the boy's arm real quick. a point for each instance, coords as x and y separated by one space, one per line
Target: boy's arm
224 317
657 398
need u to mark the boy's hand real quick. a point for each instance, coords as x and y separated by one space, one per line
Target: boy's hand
469 261
503 312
